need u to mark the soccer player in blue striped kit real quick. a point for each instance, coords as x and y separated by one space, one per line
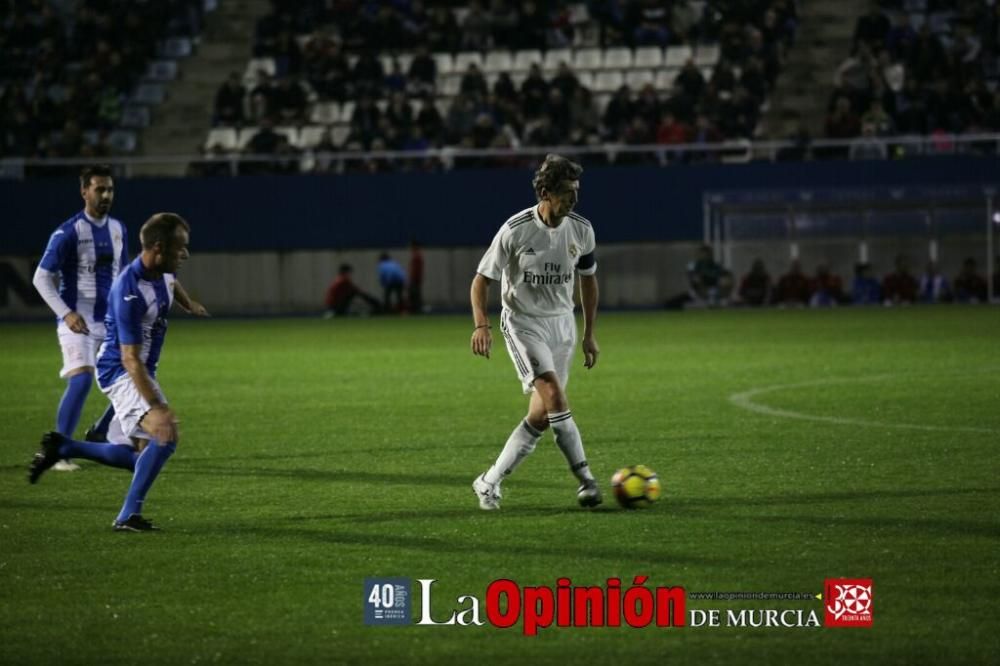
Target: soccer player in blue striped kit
136 325
535 255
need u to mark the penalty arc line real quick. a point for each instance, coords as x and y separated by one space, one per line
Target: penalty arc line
745 400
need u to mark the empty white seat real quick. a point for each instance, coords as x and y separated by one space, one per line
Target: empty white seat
556 57
256 65
325 113
648 56
176 47
449 85
665 79
310 136
339 134
677 56
289 132
617 58
404 60
707 55
161 71
497 61
608 80
586 79
639 78
225 137
123 141
346 111
445 63
587 58
149 93
466 58
523 60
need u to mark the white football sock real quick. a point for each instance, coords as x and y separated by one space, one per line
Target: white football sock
569 442
519 446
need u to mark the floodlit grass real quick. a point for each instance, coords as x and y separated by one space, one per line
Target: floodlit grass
318 453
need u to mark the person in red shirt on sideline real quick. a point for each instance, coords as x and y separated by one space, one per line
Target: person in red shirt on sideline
341 292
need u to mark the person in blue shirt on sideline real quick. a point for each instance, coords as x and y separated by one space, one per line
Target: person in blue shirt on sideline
392 277
143 433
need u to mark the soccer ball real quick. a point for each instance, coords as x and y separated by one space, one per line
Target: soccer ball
636 487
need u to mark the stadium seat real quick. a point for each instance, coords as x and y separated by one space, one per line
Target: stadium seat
677 56
608 81
707 55
601 102
578 13
523 60
135 117
586 79
466 58
161 71
176 47
587 59
497 61
347 112
149 93
639 78
445 63
339 134
517 78
617 58
665 79
123 141
648 56
449 85
404 60
310 136
244 137
382 105
225 137
325 113
556 57
256 65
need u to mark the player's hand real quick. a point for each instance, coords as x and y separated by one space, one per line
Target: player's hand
76 323
161 422
591 351
482 341
197 309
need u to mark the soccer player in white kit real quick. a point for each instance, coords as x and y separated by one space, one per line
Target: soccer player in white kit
535 255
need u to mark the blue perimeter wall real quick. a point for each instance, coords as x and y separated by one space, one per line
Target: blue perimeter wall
465 208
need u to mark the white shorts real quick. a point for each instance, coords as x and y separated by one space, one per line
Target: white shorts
538 345
79 350
130 407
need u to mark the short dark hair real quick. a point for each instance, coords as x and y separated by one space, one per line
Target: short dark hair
161 228
91 170
553 171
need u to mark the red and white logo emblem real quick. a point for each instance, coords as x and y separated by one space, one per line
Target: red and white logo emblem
848 602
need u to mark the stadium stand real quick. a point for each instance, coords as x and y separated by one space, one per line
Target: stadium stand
80 78
918 67
507 75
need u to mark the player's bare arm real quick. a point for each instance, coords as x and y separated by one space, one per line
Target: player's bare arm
160 421
589 294
183 299
482 338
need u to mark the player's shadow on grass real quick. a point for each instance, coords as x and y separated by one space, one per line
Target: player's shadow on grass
788 499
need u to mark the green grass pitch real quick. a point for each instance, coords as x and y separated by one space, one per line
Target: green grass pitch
793 446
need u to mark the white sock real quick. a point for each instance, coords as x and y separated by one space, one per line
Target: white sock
569 442
519 446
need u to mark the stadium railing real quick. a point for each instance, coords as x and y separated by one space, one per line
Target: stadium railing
447 158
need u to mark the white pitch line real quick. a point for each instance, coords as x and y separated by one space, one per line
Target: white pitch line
745 400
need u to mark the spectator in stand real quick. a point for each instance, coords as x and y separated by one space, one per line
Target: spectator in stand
290 101
865 289
793 287
416 285
970 287
868 146
827 288
900 286
934 287
342 292
392 278
262 98
755 287
229 102
872 28
671 130
422 75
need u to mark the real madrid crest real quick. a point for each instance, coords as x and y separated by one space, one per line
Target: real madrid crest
573 251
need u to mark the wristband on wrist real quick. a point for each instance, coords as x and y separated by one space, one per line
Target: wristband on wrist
482 326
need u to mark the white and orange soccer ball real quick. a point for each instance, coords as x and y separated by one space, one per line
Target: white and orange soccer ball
636 487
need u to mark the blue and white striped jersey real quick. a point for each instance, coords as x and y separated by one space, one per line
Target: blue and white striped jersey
137 315
87 255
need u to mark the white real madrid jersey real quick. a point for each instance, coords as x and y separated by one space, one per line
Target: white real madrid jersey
535 263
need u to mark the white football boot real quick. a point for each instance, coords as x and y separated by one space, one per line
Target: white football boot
488 493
